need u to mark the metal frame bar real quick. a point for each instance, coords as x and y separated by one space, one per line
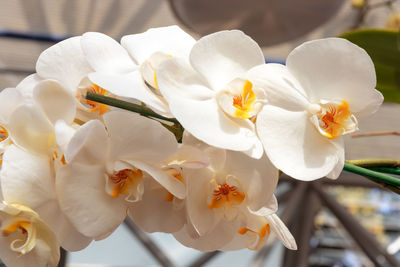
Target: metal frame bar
148 243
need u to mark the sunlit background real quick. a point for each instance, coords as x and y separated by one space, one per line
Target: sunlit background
27 27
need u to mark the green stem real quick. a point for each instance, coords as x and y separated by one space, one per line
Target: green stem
385 170
127 106
375 162
372 175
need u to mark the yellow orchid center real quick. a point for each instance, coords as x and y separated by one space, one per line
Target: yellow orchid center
3 133
226 195
59 158
124 180
92 105
244 101
256 238
336 120
25 234
240 99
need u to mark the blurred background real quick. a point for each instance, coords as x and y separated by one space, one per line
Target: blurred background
314 213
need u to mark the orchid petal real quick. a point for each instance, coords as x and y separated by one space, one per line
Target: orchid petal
135 137
189 157
81 194
56 101
89 145
281 87
170 40
198 187
10 99
64 134
334 68
294 145
26 178
154 214
68 236
30 128
105 54
222 234
223 56
64 62
25 87
337 170
282 232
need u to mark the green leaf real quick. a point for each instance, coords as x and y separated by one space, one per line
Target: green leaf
384 48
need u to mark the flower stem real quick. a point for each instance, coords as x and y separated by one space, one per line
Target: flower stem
385 170
372 175
392 163
127 106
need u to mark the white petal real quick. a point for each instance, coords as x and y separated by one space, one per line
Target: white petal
222 56
131 85
64 134
173 185
177 78
375 101
154 214
169 40
281 87
82 197
189 157
69 238
89 145
105 54
294 145
10 99
26 178
56 101
64 62
334 68
30 128
47 245
25 87
337 170
282 232
135 137
268 208
198 187
214 240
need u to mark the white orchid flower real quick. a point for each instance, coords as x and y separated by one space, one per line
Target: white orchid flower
229 203
159 210
326 86
31 125
212 97
29 179
66 63
26 240
130 69
105 168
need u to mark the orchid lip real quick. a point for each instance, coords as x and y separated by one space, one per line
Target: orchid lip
333 118
241 99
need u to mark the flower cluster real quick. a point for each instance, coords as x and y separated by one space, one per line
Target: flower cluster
72 169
